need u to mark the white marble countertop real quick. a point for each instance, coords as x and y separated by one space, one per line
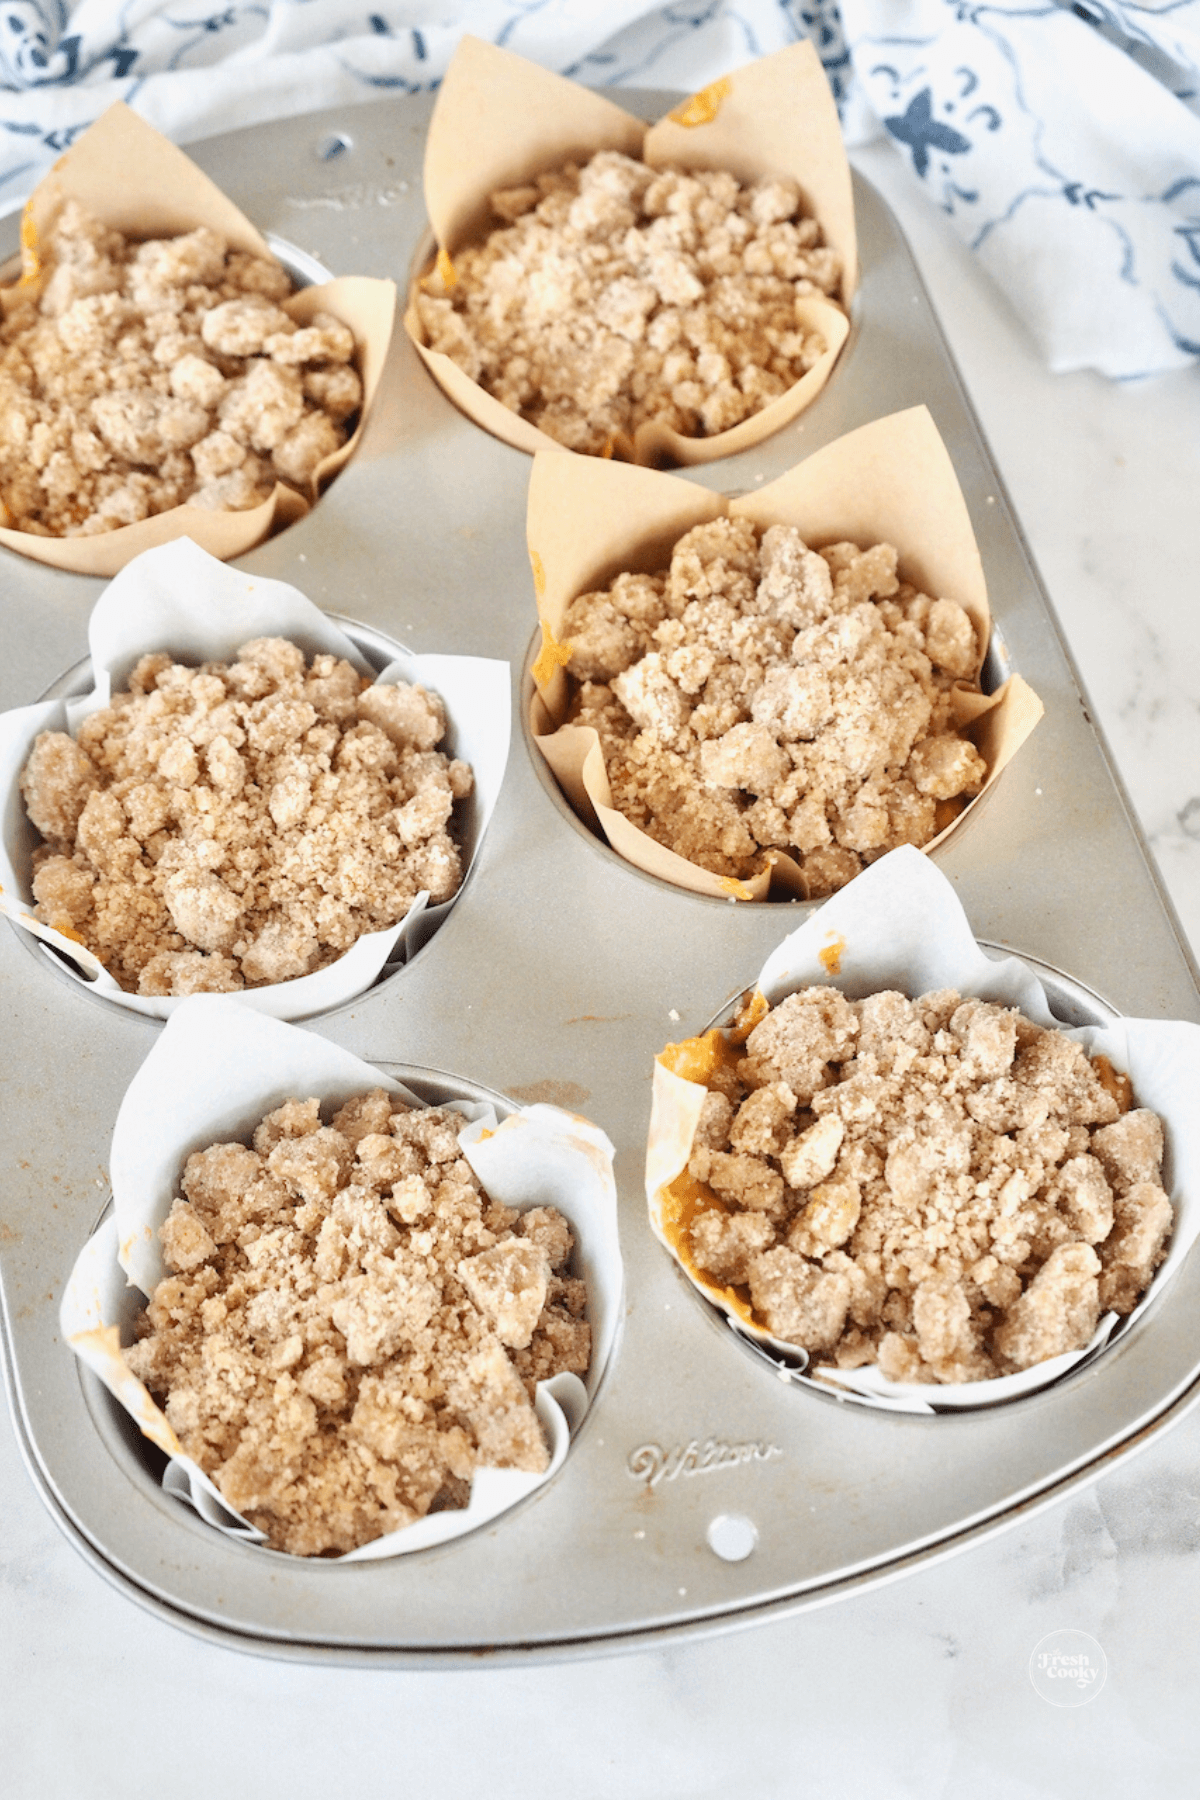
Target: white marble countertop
910 1691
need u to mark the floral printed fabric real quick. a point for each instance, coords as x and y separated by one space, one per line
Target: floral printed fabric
1065 145
1062 140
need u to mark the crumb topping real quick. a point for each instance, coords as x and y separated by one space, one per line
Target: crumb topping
613 294
229 826
761 697
351 1326
140 376
938 1186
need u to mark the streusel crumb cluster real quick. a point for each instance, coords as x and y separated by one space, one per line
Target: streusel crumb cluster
768 697
232 825
351 1326
135 377
614 293
938 1186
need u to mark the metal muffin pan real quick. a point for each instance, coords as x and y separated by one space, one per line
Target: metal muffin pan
558 976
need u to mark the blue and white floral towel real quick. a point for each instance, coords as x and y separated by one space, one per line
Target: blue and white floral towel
1062 140
1065 145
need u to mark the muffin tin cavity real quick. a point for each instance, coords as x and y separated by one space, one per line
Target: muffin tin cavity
181 603
230 1071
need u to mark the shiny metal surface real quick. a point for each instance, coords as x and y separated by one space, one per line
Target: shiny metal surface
558 976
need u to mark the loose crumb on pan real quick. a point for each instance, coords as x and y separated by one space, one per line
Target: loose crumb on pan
137 376
351 1326
614 294
763 697
938 1186
229 826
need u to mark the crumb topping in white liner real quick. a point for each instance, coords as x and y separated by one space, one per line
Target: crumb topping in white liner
762 696
140 376
352 1327
230 826
937 1186
615 293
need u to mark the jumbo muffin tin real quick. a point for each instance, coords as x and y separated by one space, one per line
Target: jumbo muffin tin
703 1490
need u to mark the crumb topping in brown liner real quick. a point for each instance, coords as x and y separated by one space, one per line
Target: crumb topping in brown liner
938 1186
616 293
760 697
351 1326
139 376
231 826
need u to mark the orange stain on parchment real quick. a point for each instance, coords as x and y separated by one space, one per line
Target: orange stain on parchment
31 262
702 108
832 955
550 657
539 573
446 269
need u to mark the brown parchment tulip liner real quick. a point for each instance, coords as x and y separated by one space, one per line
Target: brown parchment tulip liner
500 120
888 482
133 179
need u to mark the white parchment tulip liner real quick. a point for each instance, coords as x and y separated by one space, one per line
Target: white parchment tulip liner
214 1073
900 925
180 599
